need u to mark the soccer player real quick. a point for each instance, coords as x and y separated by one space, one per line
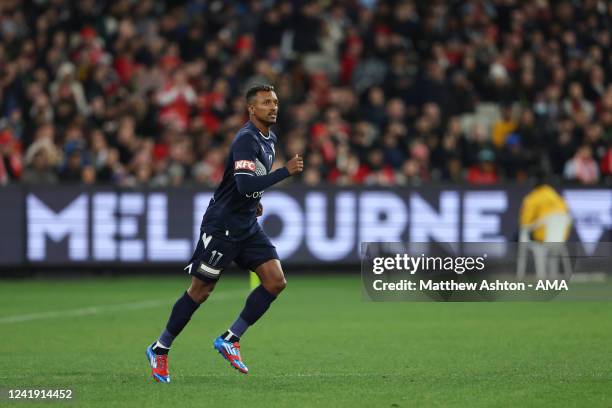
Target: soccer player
230 232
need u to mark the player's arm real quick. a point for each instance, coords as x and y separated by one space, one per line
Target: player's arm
247 181
250 183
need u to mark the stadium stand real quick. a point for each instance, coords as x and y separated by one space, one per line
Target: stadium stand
150 93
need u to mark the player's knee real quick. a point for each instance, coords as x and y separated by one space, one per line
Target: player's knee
282 284
196 295
272 277
200 296
200 291
277 286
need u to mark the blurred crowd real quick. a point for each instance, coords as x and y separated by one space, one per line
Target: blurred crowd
151 93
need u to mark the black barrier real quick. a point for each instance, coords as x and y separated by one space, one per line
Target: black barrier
72 226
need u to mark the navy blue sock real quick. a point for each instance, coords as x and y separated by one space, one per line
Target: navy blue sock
256 305
181 314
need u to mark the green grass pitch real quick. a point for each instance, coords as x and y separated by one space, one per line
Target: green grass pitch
319 345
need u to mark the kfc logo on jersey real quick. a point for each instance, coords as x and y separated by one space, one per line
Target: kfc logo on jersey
244 165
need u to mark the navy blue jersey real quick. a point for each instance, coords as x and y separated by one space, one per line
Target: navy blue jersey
231 211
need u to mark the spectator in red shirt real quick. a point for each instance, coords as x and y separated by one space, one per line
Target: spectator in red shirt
176 100
484 172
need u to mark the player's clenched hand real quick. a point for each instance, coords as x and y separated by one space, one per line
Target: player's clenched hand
295 165
259 210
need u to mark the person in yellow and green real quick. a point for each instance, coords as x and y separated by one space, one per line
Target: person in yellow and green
540 208
544 220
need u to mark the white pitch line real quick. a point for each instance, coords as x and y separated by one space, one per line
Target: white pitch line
94 310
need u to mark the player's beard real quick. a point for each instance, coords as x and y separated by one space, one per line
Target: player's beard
268 121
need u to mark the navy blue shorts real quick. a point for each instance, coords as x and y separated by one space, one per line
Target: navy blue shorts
212 255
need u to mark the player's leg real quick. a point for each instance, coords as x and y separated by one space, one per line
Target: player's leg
183 309
259 300
258 254
209 259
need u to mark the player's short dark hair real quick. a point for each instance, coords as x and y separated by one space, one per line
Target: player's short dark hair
257 88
